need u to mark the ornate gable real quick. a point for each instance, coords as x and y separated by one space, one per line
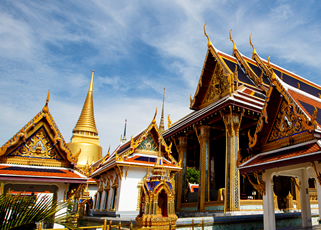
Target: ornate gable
286 123
149 144
38 143
282 122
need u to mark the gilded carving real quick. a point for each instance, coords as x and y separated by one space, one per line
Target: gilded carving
291 107
148 144
286 123
38 146
169 121
260 186
196 132
317 174
232 121
219 85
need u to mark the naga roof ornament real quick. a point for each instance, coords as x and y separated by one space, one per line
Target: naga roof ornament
234 46
209 43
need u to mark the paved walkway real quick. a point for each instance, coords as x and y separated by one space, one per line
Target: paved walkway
315 227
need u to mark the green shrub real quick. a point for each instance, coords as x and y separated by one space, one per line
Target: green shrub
192 175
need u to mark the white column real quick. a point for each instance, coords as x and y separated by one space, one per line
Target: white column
319 196
305 199
268 202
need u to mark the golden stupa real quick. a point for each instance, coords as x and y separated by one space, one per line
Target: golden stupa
85 135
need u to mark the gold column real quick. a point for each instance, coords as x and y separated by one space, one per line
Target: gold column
232 121
182 174
204 189
297 193
1 188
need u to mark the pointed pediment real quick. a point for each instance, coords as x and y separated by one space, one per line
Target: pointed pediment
215 81
38 143
283 121
149 144
286 123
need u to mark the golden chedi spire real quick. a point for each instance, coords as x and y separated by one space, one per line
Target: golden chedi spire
86 121
85 135
162 124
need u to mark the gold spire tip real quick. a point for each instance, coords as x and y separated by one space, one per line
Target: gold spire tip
154 121
46 108
254 51
234 46
209 43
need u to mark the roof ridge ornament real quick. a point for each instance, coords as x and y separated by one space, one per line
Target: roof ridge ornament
209 43
254 51
234 46
154 119
46 108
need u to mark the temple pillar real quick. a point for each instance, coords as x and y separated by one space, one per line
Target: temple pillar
1 187
232 121
305 199
319 197
297 194
204 186
268 201
181 185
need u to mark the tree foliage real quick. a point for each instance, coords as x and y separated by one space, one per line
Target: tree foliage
19 210
192 175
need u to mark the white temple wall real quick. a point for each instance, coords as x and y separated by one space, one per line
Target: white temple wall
128 190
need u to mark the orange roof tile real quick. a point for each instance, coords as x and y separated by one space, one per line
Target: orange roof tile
39 172
282 155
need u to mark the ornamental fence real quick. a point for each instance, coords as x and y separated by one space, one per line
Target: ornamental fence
110 226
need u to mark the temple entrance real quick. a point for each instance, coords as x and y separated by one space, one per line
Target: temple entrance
162 204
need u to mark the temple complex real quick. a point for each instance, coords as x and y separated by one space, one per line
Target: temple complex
254 134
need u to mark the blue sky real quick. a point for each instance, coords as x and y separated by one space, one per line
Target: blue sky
136 49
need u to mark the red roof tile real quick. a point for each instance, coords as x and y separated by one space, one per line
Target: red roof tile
43 172
284 154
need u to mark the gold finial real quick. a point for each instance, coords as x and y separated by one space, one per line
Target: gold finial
86 121
281 76
46 108
154 121
234 46
107 155
254 51
319 95
169 121
298 85
209 43
269 62
161 124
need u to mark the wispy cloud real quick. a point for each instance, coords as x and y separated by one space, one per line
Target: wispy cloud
136 49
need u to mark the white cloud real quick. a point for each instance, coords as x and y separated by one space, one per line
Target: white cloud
55 45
